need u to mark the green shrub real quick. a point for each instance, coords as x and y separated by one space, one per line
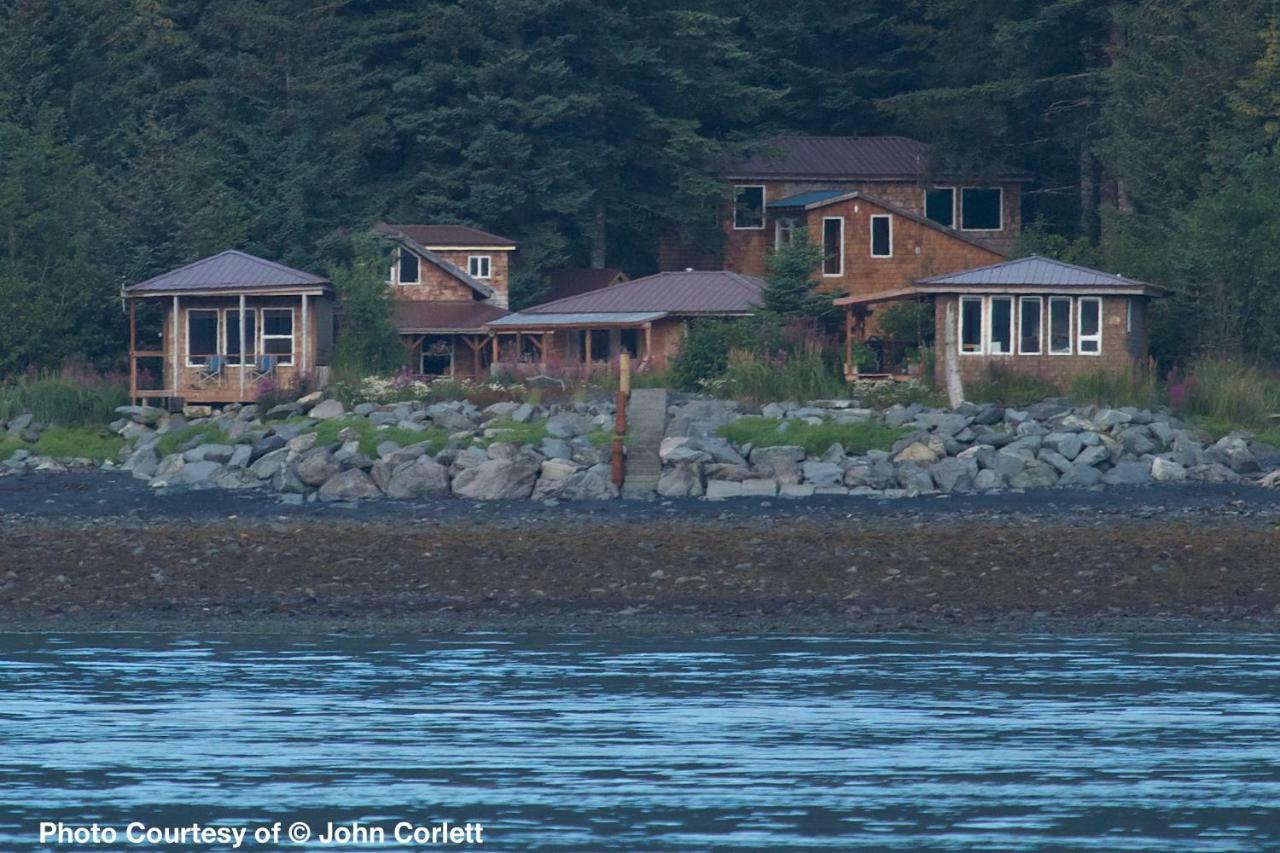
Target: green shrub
506 430
704 352
877 394
856 437
68 443
907 321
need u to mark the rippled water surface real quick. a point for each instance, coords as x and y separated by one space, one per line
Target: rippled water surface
1164 743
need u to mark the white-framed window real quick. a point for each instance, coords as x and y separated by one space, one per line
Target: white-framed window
748 207
982 209
833 245
277 334
971 324
784 231
1089 325
231 334
940 205
881 236
1059 325
1000 328
480 266
1030 309
202 336
407 265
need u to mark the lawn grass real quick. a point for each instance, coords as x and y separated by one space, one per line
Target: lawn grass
371 436
506 430
855 437
63 442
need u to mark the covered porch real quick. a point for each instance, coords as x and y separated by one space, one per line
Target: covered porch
573 345
867 353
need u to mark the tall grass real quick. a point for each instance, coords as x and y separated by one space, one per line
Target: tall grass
1138 387
1229 392
803 374
1009 387
65 398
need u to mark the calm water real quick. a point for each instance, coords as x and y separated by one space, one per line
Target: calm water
1167 743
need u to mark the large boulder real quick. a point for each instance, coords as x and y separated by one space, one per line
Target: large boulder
823 473
781 463
917 451
1233 452
1038 475
269 464
418 478
1080 474
317 467
1066 444
954 475
328 410
350 485
683 481
497 479
197 473
1128 474
1166 470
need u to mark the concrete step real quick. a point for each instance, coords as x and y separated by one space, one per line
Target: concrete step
646 425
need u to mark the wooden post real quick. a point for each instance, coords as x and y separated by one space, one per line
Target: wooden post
242 351
133 348
497 354
848 341
950 358
587 332
624 372
174 347
304 359
620 418
648 342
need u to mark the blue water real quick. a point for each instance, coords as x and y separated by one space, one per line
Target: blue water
595 743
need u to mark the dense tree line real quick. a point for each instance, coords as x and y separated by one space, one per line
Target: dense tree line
138 136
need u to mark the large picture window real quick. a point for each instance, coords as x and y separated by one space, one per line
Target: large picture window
833 245
202 336
1001 339
1059 325
1089 324
748 207
940 205
1029 310
277 334
882 237
231 333
980 208
971 325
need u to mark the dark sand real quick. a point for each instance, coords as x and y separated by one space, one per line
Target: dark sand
92 551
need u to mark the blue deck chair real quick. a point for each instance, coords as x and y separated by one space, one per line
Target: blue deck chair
264 366
212 370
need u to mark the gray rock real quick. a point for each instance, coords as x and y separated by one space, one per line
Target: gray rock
138 414
1128 474
823 473
718 490
142 463
1213 472
1108 418
317 467
209 452
988 479
1009 463
913 476
197 473
1095 455
726 471
1166 470
763 487
593 484
568 425
419 478
522 414
350 485
879 474
720 450
497 479
1067 444
1057 460
555 448
797 490
1035 476
266 466
239 457
1080 474
917 451
1136 440
265 446
781 463
1232 451
773 410
681 481
328 410
281 412
954 475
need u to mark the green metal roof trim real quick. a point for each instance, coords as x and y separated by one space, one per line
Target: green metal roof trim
804 199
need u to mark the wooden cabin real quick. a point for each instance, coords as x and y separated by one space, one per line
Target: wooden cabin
225 328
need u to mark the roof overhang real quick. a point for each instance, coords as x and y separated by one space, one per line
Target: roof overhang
488 248
521 322
232 292
1045 289
873 298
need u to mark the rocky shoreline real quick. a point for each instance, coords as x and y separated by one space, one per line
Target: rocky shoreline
86 551
317 450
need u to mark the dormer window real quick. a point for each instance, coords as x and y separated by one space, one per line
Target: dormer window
981 209
480 266
408 268
748 208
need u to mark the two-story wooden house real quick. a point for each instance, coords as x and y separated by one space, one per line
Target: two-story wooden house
447 282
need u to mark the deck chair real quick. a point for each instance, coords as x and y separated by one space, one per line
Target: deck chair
263 366
212 370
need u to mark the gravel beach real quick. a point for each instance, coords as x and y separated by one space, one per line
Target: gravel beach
93 551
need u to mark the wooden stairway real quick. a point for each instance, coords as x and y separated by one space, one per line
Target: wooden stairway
646 425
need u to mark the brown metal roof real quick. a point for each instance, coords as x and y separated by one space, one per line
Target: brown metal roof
411 317
842 157
1035 271
688 292
439 236
575 281
231 270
